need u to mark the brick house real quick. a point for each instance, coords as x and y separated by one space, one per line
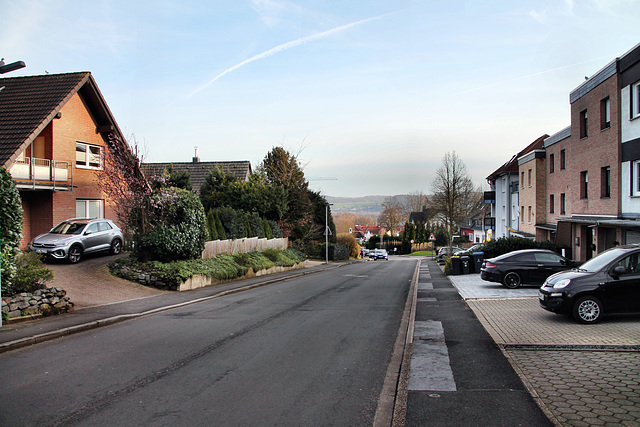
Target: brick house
53 131
592 165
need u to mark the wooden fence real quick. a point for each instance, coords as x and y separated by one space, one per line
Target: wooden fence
249 244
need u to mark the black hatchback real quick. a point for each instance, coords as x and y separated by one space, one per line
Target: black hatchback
607 283
527 266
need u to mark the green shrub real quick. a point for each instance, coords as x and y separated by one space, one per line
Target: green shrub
10 228
176 228
255 260
31 274
505 245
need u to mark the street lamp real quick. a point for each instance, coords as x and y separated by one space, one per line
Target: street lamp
327 231
11 67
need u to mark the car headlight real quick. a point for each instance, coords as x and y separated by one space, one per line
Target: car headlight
561 284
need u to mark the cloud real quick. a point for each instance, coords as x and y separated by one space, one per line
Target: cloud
286 46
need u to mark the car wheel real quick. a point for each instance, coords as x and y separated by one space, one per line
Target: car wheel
75 254
511 280
116 247
588 309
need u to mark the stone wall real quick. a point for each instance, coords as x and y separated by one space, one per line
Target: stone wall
43 302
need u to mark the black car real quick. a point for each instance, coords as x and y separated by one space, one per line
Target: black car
530 266
607 283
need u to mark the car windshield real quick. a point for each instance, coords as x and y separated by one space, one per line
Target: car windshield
68 228
599 262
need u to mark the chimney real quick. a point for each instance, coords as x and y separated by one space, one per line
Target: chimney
195 158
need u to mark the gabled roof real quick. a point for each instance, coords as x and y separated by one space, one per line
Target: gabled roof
198 171
28 104
512 165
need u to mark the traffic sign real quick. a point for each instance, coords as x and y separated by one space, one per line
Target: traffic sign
432 237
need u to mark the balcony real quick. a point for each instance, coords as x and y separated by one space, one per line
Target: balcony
41 174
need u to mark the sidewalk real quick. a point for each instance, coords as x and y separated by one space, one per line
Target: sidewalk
579 374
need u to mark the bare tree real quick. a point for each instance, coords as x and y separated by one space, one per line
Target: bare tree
417 200
453 192
394 213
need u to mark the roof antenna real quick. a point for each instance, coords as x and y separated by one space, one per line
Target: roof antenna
196 159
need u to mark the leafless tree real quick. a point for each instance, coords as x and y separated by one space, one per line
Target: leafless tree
417 200
394 213
453 192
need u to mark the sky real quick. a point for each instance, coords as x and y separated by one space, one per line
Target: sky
369 95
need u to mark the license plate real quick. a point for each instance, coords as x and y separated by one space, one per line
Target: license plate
541 296
41 251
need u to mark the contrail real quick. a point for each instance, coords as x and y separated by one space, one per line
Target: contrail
285 46
531 75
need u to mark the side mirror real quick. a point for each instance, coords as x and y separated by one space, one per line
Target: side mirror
86 233
619 271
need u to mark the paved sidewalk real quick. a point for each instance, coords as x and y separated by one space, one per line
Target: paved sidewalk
580 375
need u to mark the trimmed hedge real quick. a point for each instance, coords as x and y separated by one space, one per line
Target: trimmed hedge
505 245
221 267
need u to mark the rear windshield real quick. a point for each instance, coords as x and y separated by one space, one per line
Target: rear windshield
68 228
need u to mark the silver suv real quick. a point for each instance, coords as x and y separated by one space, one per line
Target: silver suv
74 237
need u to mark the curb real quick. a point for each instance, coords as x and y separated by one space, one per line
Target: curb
39 338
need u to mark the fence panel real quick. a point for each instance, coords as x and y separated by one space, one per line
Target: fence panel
250 244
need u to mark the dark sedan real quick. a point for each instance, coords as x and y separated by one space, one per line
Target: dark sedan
607 283
527 266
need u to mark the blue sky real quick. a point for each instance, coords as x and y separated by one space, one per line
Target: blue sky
370 93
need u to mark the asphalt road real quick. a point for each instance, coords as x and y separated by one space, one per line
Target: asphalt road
308 351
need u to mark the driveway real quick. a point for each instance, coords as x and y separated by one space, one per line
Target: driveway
89 283
579 374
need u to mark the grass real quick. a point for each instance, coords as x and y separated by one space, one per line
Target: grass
423 253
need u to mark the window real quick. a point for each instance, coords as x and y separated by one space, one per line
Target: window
552 204
635 100
522 180
563 204
552 163
584 185
605 182
88 156
563 160
583 124
89 208
605 113
635 180
529 177
522 214
529 215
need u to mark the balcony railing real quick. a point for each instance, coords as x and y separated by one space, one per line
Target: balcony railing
34 173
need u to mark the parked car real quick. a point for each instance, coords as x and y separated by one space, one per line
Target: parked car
475 248
443 252
379 254
73 238
530 266
607 283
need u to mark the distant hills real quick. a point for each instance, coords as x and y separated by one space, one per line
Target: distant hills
367 205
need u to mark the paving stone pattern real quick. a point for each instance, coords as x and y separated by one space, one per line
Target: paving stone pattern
581 375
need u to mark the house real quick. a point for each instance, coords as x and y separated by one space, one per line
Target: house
505 183
591 178
630 140
367 231
532 196
53 133
198 171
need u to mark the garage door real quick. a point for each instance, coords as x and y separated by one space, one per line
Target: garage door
632 237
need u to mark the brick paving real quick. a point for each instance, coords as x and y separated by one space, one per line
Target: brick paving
89 283
580 375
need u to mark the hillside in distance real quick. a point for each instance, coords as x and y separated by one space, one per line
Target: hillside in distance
366 205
